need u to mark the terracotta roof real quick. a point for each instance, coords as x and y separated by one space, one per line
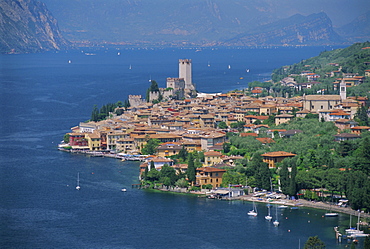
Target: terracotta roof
347 135
322 97
284 116
360 128
265 140
248 134
278 154
212 153
209 169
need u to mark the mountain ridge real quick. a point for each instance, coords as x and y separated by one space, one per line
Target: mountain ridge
28 26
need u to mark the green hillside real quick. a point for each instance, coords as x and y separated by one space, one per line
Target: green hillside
330 66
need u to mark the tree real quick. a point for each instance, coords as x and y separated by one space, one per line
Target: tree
292 191
153 175
182 183
95 114
151 147
226 147
361 116
261 171
126 104
119 104
152 166
145 173
362 155
66 138
191 172
222 125
183 154
314 243
153 88
169 174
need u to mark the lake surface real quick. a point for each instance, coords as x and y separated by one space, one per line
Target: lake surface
43 95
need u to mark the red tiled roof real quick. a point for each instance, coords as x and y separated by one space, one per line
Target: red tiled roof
265 140
252 134
278 154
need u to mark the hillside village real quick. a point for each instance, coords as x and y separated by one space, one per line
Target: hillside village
204 124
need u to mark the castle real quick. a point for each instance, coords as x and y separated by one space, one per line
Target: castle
177 88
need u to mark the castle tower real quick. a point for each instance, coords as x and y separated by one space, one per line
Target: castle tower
185 73
342 90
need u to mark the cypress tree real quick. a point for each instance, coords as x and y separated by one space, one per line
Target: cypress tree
284 178
191 172
95 113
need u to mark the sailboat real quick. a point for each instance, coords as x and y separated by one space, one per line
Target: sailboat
130 67
355 232
276 222
268 217
78 181
253 212
330 214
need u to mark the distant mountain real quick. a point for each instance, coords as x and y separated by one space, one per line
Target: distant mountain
26 26
191 22
358 30
315 29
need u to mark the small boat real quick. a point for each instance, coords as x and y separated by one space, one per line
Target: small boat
268 217
331 214
78 181
229 67
130 67
283 206
276 222
69 62
247 70
123 190
253 212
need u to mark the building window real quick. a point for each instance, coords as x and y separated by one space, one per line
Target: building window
322 107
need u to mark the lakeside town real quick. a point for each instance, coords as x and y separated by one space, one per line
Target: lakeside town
177 120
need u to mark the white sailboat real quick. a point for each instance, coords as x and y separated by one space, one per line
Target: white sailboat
268 217
276 222
355 232
78 181
330 213
253 212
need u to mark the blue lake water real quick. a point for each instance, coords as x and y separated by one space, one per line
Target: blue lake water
42 96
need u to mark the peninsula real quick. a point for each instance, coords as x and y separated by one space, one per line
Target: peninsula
294 135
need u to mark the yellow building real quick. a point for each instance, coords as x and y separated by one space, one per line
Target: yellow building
320 102
168 149
207 175
271 158
212 158
283 118
93 140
